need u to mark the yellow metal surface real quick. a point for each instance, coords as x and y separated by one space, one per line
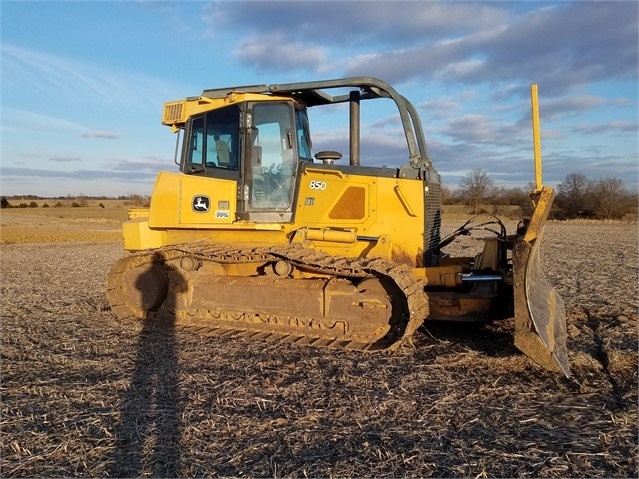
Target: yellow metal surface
447 276
235 236
221 193
333 210
543 201
393 209
536 135
322 191
138 236
172 218
175 199
404 201
138 213
331 235
177 112
490 255
451 307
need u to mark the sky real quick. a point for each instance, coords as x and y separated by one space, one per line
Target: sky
83 83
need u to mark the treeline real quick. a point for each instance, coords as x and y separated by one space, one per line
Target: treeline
80 197
32 201
34 204
575 197
582 197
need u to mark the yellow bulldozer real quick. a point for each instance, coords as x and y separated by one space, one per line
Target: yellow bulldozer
258 238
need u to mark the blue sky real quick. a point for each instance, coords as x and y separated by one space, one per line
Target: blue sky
83 83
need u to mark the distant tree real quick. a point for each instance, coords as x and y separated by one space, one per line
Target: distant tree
476 187
447 195
82 199
136 200
520 197
45 205
497 196
611 199
4 203
574 195
33 204
514 196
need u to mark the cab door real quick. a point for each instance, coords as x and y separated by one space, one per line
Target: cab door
271 162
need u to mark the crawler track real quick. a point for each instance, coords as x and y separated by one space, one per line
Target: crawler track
166 277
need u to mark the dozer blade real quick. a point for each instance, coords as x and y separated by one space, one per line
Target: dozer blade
540 318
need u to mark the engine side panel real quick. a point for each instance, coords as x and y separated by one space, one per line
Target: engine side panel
374 206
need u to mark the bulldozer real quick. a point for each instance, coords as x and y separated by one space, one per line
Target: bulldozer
257 237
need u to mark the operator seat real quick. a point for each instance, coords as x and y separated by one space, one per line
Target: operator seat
222 150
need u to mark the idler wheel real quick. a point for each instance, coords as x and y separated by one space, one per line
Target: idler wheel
387 294
145 288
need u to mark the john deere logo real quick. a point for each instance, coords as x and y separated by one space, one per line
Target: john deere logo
201 204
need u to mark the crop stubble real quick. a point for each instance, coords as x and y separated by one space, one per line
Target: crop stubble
86 395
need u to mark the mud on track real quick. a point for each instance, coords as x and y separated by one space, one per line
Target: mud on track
86 395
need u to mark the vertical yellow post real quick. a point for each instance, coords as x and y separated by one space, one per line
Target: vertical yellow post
536 138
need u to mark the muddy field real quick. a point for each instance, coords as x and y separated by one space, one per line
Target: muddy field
83 394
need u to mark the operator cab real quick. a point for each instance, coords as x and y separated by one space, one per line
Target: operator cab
257 144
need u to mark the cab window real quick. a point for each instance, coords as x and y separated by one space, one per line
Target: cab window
273 162
196 151
303 136
222 128
214 140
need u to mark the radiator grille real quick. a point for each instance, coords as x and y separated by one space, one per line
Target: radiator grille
172 112
432 222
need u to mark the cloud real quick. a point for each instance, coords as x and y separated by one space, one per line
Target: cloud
14 119
48 76
109 135
274 52
28 121
391 121
358 23
557 108
7 172
150 164
65 159
277 37
610 127
593 164
561 46
480 129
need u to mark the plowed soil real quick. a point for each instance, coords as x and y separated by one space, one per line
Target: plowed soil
84 394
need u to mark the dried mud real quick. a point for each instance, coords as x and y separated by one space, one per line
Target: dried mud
86 395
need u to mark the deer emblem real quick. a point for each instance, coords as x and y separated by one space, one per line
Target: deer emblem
201 204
